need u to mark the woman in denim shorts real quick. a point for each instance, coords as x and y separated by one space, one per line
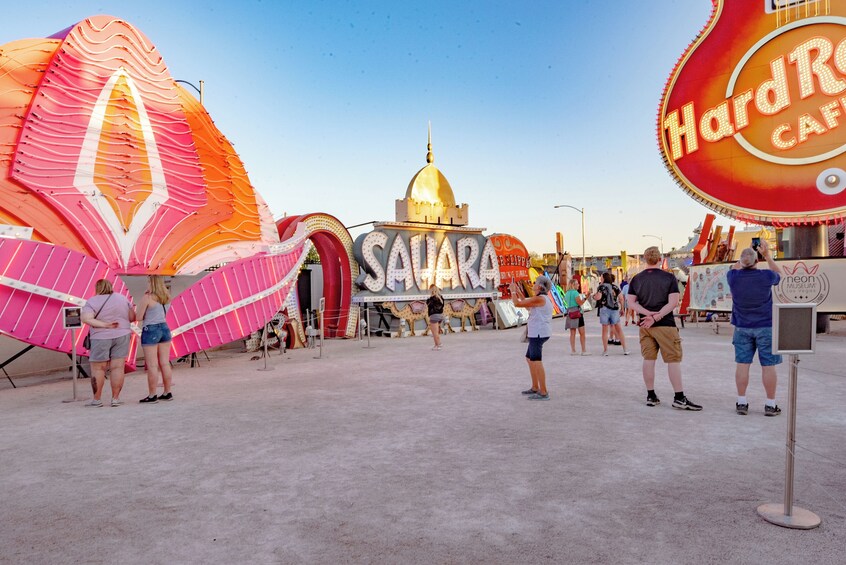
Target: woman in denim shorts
155 339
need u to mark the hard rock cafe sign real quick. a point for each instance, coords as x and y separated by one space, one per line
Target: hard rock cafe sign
753 118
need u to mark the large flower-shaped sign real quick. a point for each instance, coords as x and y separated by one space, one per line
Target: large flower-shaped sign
102 152
117 170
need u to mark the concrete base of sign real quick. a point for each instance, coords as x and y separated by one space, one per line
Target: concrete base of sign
800 519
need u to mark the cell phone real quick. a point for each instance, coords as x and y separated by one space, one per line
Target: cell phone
756 243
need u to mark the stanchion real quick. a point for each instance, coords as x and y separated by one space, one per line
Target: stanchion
786 514
367 310
74 370
320 321
264 336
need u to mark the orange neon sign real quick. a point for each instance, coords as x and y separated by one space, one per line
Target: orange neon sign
752 119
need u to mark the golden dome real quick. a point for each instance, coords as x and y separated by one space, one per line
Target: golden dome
429 184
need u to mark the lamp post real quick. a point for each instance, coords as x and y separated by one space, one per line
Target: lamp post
659 238
199 90
582 212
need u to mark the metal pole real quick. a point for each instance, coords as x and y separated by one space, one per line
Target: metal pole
367 310
786 514
264 336
202 90
584 259
321 334
74 370
791 436
73 360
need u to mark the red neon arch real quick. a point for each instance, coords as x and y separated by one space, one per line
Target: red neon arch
328 235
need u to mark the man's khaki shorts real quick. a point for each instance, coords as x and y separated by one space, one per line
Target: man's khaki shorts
662 338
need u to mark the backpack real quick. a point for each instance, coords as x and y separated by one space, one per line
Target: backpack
609 296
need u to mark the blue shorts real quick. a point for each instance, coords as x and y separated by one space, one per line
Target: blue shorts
155 334
747 340
609 317
535 350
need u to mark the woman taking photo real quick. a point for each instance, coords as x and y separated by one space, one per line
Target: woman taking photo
538 331
155 339
435 307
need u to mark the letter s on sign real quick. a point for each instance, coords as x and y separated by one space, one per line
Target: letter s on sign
376 282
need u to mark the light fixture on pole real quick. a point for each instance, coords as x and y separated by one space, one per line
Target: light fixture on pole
659 238
199 90
582 212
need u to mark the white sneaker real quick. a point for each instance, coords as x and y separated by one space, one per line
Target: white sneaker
117 402
574 353
625 352
605 353
586 353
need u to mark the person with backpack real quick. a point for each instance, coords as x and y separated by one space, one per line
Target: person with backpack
609 313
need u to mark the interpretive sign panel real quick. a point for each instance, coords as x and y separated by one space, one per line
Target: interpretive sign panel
802 281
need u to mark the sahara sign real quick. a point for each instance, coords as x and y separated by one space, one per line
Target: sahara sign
400 264
753 118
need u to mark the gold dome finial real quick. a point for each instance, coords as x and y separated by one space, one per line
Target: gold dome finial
430 158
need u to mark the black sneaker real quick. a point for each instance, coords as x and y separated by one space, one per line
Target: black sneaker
539 396
684 404
530 391
149 399
652 401
742 409
772 410
166 396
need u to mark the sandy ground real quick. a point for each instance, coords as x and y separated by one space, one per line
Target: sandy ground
400 454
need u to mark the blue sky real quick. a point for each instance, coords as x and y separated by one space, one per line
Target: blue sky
532 104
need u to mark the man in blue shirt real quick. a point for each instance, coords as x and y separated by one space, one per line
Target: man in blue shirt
752 318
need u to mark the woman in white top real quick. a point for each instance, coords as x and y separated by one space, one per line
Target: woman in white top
539 330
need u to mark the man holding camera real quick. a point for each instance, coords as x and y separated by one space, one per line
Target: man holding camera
752 318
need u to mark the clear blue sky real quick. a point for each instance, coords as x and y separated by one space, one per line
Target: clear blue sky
532 104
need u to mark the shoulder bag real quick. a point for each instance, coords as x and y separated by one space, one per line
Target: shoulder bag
86 342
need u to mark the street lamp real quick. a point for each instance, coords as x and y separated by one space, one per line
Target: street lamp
582 212
199 90
659 238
